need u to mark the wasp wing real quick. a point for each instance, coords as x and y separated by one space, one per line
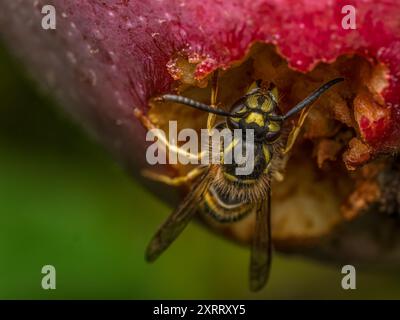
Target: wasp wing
260 261
178 220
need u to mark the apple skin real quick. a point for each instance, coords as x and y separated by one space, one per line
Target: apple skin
218 33
108 57
113 54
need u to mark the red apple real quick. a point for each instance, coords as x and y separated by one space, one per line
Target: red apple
107 58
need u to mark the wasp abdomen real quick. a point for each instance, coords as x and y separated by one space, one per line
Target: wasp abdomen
224 208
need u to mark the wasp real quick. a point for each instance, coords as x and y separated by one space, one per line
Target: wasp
216 189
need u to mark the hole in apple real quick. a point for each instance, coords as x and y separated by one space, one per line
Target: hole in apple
330 176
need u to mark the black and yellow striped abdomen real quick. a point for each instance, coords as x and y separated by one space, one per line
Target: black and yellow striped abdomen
224 208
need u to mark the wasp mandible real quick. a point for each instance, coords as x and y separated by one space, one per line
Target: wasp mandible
216 190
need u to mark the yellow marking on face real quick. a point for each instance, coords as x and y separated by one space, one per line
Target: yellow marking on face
256 118
267 105
274 126
252 87
275 93
252 101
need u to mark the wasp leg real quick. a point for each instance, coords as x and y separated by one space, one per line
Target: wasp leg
296 130
278 176
214 94
146 122
175 181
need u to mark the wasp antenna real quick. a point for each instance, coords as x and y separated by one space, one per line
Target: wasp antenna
311 98
195 104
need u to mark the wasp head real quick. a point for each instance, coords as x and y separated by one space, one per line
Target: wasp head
258 110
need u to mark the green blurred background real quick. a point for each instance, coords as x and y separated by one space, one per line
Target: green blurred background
65 202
